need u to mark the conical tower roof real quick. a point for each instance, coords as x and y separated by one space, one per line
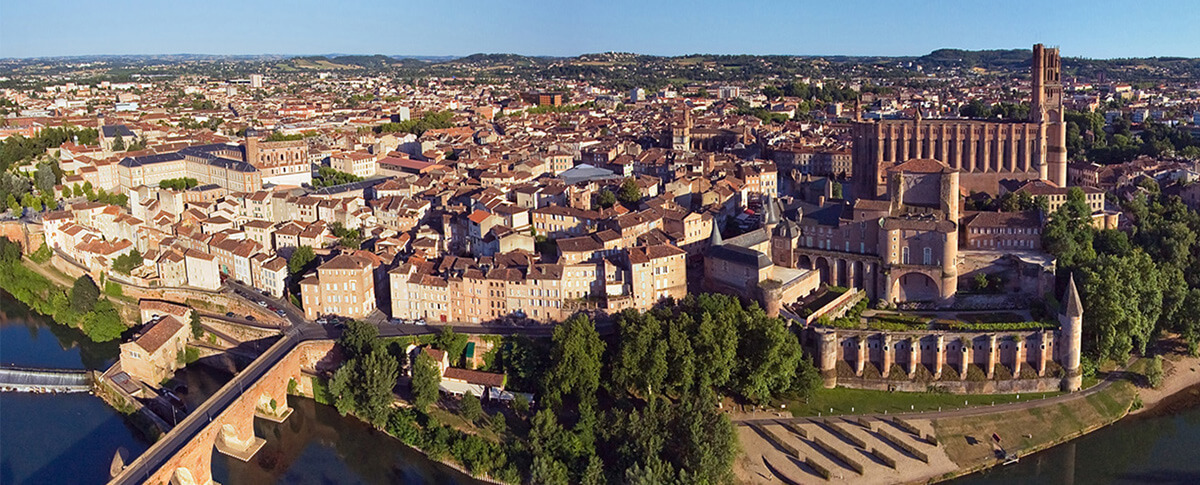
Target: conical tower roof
1073 307
771 215
715 239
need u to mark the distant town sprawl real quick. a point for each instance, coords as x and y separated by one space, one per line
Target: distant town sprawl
471 190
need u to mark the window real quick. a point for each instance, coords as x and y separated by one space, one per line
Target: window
928 255
904 255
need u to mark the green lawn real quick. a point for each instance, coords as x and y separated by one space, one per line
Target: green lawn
858 401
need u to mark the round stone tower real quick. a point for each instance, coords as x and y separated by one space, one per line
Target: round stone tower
1071 341
827 357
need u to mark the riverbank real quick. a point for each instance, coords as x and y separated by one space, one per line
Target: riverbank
946 445
101 322
1181 376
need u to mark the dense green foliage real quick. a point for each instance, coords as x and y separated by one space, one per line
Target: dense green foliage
127 262
605 199
977 109
284 137
470 407
101 321
639 406
425 381
1154 372
84 294
417 126
329 177
1088 140
351 238
630 192
194 323
17 148
1135 285
363 385
668 368
302 261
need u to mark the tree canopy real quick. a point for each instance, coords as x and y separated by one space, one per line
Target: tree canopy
630 192
84 294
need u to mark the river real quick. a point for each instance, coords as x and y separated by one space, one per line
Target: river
1164 448
56 438
71 438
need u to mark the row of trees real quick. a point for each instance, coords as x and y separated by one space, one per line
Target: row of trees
1137 285
181 183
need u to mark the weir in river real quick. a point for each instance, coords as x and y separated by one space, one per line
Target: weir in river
22 379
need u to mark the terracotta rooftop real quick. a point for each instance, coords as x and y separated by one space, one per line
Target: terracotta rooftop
158 334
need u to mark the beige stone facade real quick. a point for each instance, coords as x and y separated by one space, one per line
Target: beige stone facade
343 286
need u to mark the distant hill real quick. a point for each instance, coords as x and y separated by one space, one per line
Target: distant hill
992 60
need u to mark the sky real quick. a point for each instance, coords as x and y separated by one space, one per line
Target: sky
1095 28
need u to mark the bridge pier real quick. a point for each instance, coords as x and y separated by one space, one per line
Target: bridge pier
183 476
239 442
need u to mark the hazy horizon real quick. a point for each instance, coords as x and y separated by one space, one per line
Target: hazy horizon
1097 29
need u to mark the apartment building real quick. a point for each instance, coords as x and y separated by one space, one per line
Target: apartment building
344 286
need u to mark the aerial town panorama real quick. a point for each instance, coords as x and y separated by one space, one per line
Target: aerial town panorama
967 266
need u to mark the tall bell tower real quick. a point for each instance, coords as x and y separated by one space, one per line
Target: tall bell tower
1046 109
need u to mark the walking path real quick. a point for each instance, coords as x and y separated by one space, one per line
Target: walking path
950 413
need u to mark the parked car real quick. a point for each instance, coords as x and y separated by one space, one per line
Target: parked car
281 313
230 314
420 321
250 318
262 303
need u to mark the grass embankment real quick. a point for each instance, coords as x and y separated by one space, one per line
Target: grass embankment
861 401
968 441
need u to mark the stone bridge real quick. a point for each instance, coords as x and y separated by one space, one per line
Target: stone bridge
225 422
